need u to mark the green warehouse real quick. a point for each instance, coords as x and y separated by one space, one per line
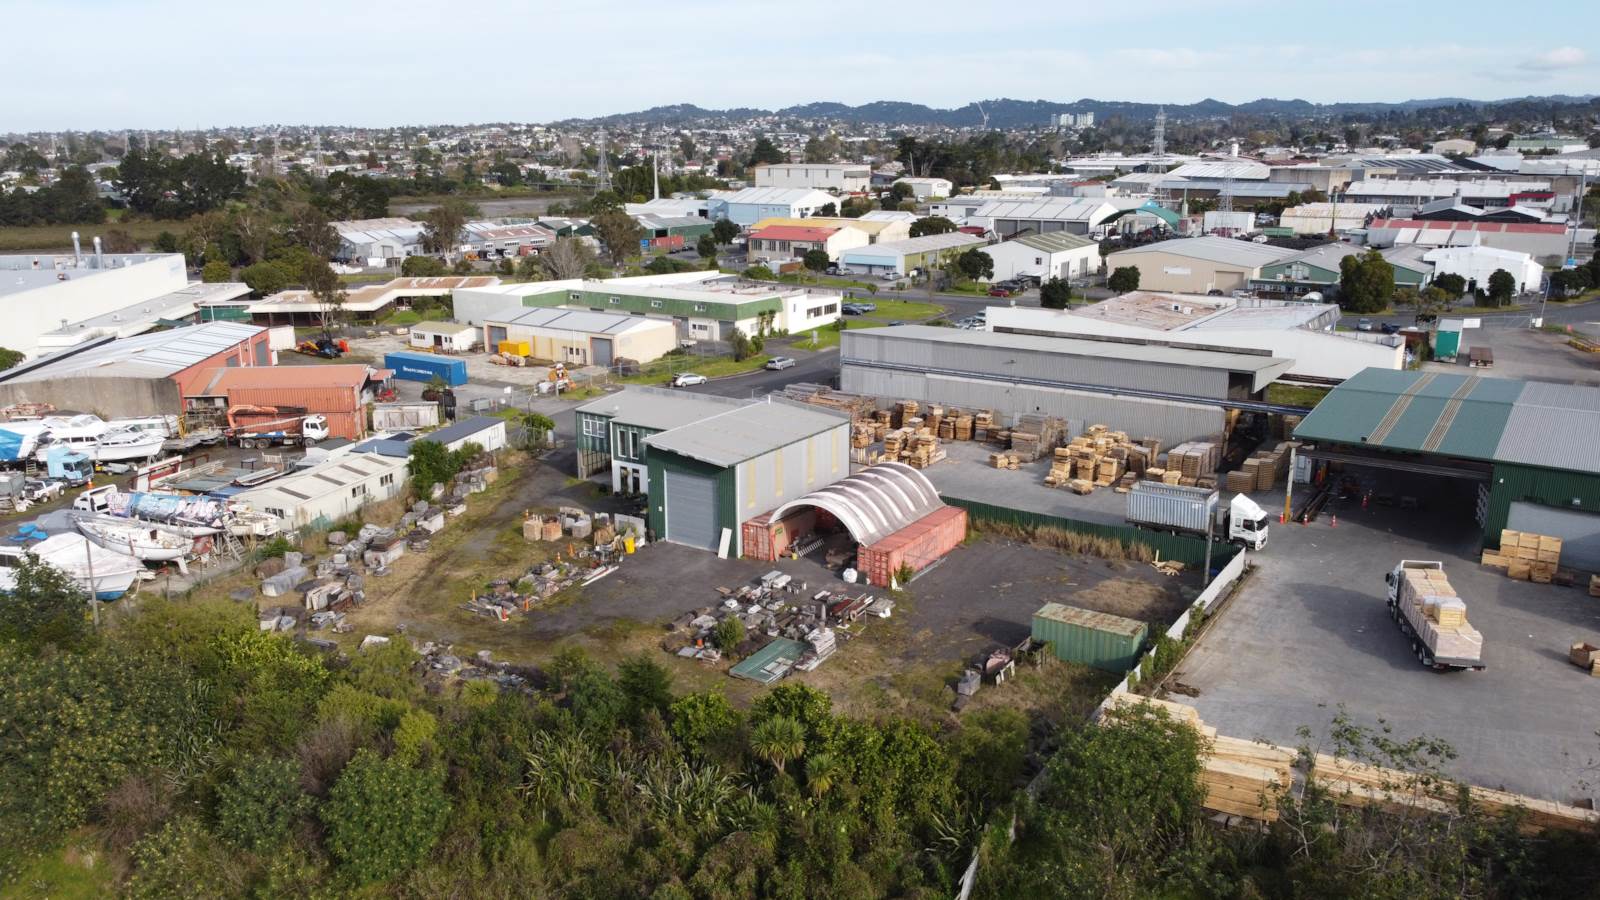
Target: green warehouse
1525 449
1317 269
613 429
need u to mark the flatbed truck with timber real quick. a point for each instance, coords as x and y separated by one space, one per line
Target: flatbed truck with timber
1428 612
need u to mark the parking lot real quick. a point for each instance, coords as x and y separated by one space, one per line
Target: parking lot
1309 631
1528 354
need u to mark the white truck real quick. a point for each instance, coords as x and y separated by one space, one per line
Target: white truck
1427 610
1171 507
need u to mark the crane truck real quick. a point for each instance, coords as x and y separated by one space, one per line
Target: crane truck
1427 610
288 430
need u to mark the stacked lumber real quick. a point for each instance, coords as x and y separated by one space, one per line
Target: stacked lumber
933 417
1025 444
1080 486
1594 585
1061 467
1240 481
1443 623
1529 556
982 424
962 429
1126 483
923 451
1005 459
894 442
903 410
863 434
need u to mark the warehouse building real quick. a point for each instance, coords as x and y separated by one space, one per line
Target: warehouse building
1329 218
708 477
1525 449
925 189
849 178
1300 332
671 232
901 257
1544 241
1175 394
1058 254
1476 264
364 304
488 432
781 243
330 491
339 392
137 376
1317 270
443 337
878 231
1010 218
378 242
500 240
580 337
751 205
1405 196
188 305
1197 265
41 292
672 207
612 430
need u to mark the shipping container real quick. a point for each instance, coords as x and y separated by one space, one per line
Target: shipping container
1090 638
424 366
1172 506
767 540
918 545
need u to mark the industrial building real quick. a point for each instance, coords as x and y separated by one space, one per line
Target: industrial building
926 189
488 432
849 178
41 292
877 230
1317 270
339 392
1545 242
443 337
1525 449
1329 218
1300 332
672 207
1057 254
378 242
1197 265
611 431
1405 196
364 304
500 240
781 243
1477 263
1171 393
330 491
191 303
901 257
708 477
751 205
1010 218
137 376
580 337
671 232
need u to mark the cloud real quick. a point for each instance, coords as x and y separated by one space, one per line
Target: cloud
1556 58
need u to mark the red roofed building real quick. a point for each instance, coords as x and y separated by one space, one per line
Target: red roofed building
339 392
1545 242
781 243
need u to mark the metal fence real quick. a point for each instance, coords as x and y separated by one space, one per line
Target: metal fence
1190 551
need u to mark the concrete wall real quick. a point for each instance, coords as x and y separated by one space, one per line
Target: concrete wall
86 293
106 397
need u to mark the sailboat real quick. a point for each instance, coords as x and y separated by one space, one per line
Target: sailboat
180 513
137 539
114 573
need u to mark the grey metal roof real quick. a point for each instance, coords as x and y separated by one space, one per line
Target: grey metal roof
444 328
1083 346
18 272
927 242
659 409
1556 426
462 429
157 355
747 432
873 503
1064 209
575 320
1215 249
1056 241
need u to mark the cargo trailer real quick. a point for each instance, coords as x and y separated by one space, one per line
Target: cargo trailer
426 367
1425 607
1090 638
1191 510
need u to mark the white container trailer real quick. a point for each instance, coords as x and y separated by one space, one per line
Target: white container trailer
1171 507
1427 610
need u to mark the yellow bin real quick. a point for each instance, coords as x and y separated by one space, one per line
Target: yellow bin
516 348
627 543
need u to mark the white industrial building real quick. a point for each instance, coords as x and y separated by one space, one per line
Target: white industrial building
1008 218
925 189
1406 195
901 257
41 292
1321 218
1477 263
1045 256
141 314
959 208
328 492
1544 241
581 337
1197 265
669 207
488 432
375 242
751 205
1301 333
842 177
443 337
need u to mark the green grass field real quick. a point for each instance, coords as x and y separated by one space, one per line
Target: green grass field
904 310
711 367
18 239
1295 395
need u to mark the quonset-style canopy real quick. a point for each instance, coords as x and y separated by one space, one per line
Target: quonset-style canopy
873 503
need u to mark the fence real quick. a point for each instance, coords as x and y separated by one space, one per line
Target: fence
1190 551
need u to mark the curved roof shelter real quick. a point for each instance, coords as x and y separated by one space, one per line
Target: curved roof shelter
875 502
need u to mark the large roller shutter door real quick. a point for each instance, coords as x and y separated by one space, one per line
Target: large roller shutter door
497 333
691 510
1579 532
602 351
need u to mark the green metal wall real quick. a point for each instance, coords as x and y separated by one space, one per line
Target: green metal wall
657 462
595 443
1534 485
1187 550
1076 643
670 306
639 434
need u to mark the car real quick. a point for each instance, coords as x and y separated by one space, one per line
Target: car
687 379
850 309
1391 328
39 490
998 291
865 306
778 363
1364 325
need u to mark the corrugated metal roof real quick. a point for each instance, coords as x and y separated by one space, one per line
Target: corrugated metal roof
777 195
462 429
1056 241
577 320
1426 412
445 328
1088 618
157 355
345 375
1069 209
924 244
1214 249
1079 346
659 409
1553 425
873 503
747 432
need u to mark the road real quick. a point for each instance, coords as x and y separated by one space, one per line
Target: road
821 367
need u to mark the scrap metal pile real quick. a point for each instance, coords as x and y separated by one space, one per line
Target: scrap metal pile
595 547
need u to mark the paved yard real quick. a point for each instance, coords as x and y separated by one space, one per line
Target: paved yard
1309 631
1527 354
966 473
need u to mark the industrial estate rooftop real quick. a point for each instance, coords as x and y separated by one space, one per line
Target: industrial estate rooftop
24 272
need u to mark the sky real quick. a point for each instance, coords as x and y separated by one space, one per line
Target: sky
113 64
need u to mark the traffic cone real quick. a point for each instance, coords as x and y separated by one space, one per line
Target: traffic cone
1335 522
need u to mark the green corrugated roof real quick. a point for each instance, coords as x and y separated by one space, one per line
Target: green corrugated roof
1430 412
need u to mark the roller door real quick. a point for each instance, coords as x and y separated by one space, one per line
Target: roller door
1579 532
691 510
497 333
602 350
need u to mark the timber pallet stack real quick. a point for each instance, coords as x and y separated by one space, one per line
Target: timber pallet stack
1099 458
1005 459
1528 557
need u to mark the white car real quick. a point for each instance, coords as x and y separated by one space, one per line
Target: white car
685 379
780 362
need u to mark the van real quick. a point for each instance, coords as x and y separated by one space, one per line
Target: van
95 499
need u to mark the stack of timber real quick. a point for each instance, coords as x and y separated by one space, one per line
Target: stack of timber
903 410
1060 467
1100 457
1245 778
1005 459
1443 622
1594 585
1527 557
923 450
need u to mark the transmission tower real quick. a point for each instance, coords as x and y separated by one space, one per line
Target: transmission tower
1160 142
1225 197
604 179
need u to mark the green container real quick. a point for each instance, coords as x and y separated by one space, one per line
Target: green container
1446 344
1090 638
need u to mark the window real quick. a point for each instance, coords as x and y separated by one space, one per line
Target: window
594 427
1038 260
699 307
655 304
386 480
271 511
574 296
615 301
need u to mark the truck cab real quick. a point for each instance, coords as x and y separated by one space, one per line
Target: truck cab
1247 523
68 465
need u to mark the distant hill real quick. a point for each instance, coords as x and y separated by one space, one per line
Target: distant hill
1009 113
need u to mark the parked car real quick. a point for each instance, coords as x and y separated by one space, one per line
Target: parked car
850 309
39 490
686 379
1391 328
778 363
1364 325
865 306
998 291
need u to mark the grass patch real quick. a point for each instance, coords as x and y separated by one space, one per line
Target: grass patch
1296 394
78 869
976 288
402 317
905 309
366 278
1067 541
19 238
825 336
847 284
709 366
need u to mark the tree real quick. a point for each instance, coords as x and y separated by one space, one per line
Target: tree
536 428
1451 284
1502 285
568 257
766 152
1366 282
1431 301
1055 294
728 634
430 464
216 272
828 210
442 227
816 260
778 740
646 685
310 228
932 225
724 231
44 606
265 278
759 273
1124 279
422 267
256 809
620 233
9 358
706 246
701 722
327 290
975 265
740 342
383 816
117 240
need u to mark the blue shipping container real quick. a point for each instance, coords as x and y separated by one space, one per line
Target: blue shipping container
424 366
